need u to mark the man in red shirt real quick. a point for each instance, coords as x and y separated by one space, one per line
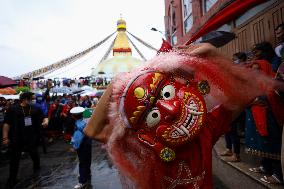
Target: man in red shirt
68 123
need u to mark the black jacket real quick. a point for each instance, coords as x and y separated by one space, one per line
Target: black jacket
19 133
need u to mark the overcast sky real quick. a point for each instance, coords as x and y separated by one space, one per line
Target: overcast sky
36 33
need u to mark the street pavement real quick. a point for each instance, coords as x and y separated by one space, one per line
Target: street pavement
59 169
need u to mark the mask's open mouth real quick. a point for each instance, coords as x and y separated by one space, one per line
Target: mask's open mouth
191 116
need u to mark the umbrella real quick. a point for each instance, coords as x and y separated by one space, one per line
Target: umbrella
230 12
77 91
63 89
6 82
99 93
87 88
218 38
88 93
7 91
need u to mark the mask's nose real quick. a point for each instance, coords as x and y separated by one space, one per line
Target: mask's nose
170 108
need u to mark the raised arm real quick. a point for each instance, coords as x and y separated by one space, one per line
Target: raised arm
96 125
206 50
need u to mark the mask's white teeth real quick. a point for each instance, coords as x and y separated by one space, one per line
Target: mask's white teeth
179 130
195 113
191 107
185 130
192 121
187 118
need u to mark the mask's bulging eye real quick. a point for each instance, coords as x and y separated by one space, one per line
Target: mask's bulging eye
153 118
168 92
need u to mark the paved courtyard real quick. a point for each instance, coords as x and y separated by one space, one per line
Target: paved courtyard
59 169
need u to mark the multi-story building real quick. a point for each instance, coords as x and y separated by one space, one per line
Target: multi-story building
183 18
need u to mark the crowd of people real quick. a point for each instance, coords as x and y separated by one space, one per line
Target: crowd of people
259 123
43 83
46 118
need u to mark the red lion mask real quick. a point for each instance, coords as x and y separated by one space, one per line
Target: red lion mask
165 110
164 118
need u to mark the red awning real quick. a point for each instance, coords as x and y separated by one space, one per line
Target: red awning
225 15
7 91
6 82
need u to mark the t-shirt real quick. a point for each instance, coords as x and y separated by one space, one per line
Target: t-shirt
25 123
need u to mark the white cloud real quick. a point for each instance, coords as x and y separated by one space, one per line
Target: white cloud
35 33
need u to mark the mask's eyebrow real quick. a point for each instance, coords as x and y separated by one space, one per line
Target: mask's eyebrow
181 80
187 74
152 97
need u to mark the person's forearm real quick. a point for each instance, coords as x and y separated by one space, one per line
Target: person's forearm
5 130
99 118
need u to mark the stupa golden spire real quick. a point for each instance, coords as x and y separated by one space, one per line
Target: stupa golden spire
121 46
122 60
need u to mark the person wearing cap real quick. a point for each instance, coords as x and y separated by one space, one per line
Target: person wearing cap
21 131
83 145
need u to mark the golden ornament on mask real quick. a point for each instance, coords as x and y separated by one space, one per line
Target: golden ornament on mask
167 154
155 80
203 87
186 94
137 113
132 119
152 99
139 92
141 108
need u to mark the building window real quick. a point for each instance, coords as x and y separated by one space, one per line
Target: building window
187 15
252 12
188 24
174 39
172 25
173 22
207 4
226 27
